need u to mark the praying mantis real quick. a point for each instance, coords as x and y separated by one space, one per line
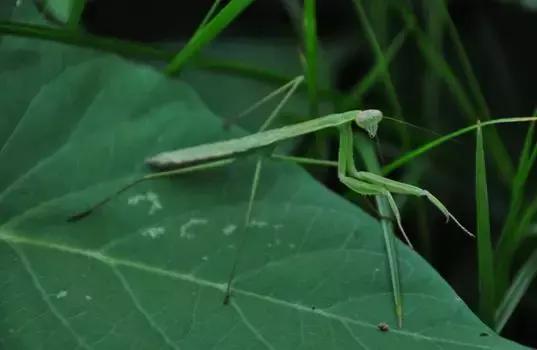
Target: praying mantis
217 154
221 153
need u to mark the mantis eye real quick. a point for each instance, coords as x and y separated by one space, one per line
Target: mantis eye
369 120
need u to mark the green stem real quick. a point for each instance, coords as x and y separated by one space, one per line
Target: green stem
207 33
310 44
428 146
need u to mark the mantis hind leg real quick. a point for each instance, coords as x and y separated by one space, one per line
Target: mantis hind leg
290 87
247 219
82 214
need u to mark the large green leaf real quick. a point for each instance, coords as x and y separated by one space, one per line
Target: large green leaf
148 271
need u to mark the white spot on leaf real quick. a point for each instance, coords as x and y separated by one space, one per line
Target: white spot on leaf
134 200
186 229
150 197
229 229
205 258
61 294
88 298
258 224
153 232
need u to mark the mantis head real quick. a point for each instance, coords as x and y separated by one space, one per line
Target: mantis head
369 120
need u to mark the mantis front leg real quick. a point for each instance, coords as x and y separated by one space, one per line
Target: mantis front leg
367 183
347 167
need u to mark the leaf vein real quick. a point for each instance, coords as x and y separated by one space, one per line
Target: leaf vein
35 280
108 260
353 336
251 327
141 309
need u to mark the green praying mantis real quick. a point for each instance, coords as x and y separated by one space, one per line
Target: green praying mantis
221 153
217 154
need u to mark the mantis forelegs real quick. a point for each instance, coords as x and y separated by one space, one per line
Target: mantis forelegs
367 183
347 167
366 188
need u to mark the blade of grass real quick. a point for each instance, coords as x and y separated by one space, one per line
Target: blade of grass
379 57
510 236
207 33
363 86
435 28
367 152
430 145
516 291
75 13
209 14
484 244
379 11
436 60
295 12
304 22
529 215
311 54
527 159
352 99
465 61
43 7
474 85
497 147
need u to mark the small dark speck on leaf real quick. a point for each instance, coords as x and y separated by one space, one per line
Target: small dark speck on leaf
313 308
484 334
383 327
